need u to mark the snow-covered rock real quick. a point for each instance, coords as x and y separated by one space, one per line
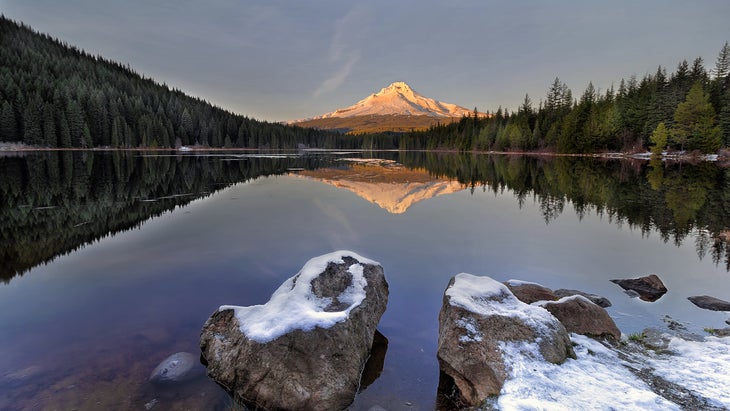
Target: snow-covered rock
480 320
597 299
307 346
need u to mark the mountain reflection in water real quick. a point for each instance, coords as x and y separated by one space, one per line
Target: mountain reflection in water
55 202
123 256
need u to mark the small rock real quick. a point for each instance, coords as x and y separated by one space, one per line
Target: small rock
23 374
673 324
721 332
581 316
710 303
650 287
597 299
148 406
529 293
178 367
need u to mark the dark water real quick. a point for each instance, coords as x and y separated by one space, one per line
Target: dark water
111 261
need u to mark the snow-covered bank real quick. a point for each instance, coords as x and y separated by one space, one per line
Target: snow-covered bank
603 377
595 380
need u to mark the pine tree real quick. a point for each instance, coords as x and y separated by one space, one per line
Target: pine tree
694 122
50 139
8 125
722 66
659 139
32 119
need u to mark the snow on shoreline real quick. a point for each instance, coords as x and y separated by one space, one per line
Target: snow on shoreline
702 367
595 380
293 306
602 377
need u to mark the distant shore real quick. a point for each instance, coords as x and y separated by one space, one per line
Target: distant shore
721 159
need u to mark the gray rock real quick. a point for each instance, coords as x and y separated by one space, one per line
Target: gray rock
710 303
478 318
178 367
597 299
581 316
305 366
650 287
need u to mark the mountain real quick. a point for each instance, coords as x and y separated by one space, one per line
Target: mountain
394 108
392 186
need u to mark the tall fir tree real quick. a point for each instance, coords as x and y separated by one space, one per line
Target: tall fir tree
694 122
8 124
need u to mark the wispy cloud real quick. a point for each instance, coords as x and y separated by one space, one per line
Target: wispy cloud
342 53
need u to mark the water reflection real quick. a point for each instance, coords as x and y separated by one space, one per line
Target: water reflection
54 203
89 327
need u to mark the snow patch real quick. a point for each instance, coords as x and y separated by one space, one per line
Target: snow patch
595 380
702 367
293 306
579 297
487 297
517 283
470 326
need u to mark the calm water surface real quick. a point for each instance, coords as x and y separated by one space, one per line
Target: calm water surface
85 315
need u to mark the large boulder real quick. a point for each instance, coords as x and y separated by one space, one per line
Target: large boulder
580 315
528 292
597 299
304 349
650 288
710 303
481 323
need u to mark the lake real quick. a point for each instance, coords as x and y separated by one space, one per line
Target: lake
112 261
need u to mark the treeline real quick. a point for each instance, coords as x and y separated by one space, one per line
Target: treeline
54 95
688 109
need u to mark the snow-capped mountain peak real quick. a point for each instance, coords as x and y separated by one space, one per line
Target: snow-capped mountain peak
399 99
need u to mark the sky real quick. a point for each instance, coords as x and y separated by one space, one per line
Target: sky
283 60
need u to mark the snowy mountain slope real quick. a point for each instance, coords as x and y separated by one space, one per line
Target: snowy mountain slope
399 98
398 102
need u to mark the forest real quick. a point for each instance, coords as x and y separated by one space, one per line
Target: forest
688 109
54 95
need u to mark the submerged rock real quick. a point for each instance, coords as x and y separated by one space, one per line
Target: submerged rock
710 303
529 293
597 299
178 367
581 316
306 347
650 288
480 323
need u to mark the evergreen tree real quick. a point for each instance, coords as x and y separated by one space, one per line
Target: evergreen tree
659 139
8 124
50 139
694 122
722 66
